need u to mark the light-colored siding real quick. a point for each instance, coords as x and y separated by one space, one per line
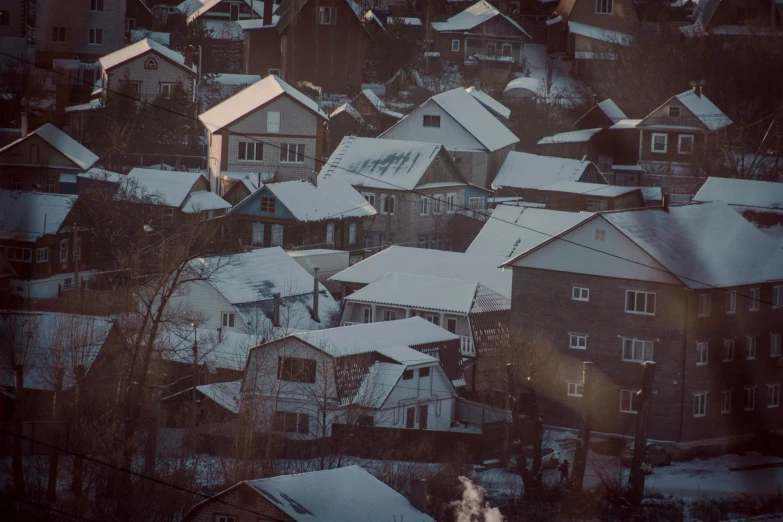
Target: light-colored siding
203 298
150 79
450 133
76 17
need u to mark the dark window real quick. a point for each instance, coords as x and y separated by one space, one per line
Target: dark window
289 422
234 11
96 5
366 420
5 18
303 426
130 24
431 121
268 204
16 183
58 34
292 153
407 375
451 325
151 64
424 372
423 412
295 370
250 151
410 418
96 36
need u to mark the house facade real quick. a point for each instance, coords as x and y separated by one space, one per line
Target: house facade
300 215
13 29
416 187
331 56
482 30
151 69
270 129
477 141
710 324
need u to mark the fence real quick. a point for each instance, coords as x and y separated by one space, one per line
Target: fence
478 414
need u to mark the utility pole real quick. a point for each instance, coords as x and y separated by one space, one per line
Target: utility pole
54 461
507 425
580 456
636 477
194 397
78 463
16 458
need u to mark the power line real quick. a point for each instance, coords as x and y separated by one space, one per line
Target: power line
404 189
48 508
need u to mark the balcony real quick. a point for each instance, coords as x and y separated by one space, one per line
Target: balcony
466 346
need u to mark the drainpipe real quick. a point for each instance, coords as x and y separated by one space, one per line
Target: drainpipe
315 296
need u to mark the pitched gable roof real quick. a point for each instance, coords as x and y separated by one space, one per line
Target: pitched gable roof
252 98
192 9
531 171
700 107
742 192
609 109
377 163
474 16
77 153
171 186
290 8
139 48
27 216
490 103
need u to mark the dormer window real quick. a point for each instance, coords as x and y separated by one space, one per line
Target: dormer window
604 6
674 112
151 64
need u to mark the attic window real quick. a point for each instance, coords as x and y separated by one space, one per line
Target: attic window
431 120
674 112
327 16
604 6
268 204
151 64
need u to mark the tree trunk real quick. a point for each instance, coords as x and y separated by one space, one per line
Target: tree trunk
580 456
636 477
78 462
54 459
16 459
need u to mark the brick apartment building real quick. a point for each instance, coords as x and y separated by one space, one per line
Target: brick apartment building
692 288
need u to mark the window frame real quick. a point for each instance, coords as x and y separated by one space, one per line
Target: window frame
577 341
455 48
750 393
390 315
596 205
679 144
352 233
231 12
451 203
449 321
751 347
704 305
244 148
672 109
95 36
367 315
58 34
150 64
730 345
601 7
646 299
600 234
228 319
725 401
702 348
433 318
665 143
700 404
370 197
266 203
581 290
272 126
754 304
777 297
96 6
731 302
431 120
424 205
257 230
635 344
387 209
331 19
64 249
42 258
471 200
577 387
330 234
289 149
775 345
278 235
424 241
773 395
130 24
633 398
297 369
166 88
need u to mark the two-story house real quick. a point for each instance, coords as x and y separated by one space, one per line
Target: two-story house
262 292
320 42
46 249
481 29
151 69
13 27
327 213
270 128
695 288
476 140
37 159
416 187
78 29
388 374
466 308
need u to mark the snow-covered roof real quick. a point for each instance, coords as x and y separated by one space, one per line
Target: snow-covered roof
141 34
474 16
437 263
89 106
578 136
594 189
135 50
337 495
195 8
380 163
249 179
527 83
27 216
49 340
625 124
524 170
250 99
421 292
703 245
77 153
171 186
237 79
227 350
743 192
348 109
203 200
512 230
599 33
225 394
407 20
610 108
329 199
491 104
706 111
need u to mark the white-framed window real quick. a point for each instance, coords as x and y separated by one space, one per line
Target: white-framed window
637 302
750 398
228 320
629 401
728 350
437 200
68 282
327 16
389 315
134 88
731 303
250 151
42 255
476 203
268 204
685 143
773 395
604 6
577 341
596 205
674 111
580 293
774 345
433 318
257 230
777 296
58 34
16 182
575 389
754 303
368 241
424 206
600 234
700 404
431 120
150 64
273 122
637 350
130 24
292 153
751 343
451 203
96 37
277 235
370 197
702 353
25 255
290 422
330 234
705 305
387 204
166 89
352 234
455 46
367 314
64 251
96 5
725 401
659 143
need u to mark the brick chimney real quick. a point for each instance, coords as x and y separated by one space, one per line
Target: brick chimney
269 5
276 313
24 124
316 292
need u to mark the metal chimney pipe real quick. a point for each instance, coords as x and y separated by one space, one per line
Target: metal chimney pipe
315 295
24 124
276 314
